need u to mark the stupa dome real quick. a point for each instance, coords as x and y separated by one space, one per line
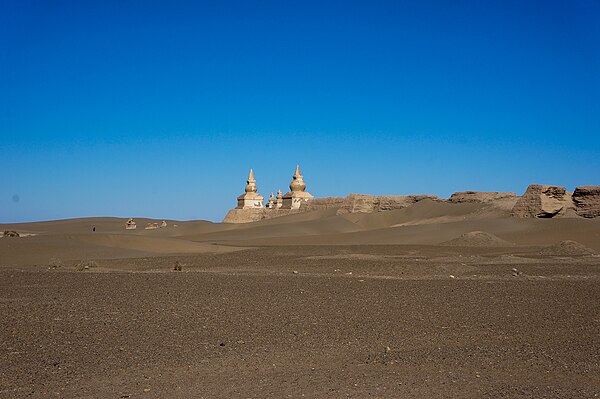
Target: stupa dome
250 199
297 183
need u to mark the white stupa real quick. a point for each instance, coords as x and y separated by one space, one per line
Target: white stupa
279 202
297 195
250 199
271 203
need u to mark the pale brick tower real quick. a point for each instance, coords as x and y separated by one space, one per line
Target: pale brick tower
250 199
297 195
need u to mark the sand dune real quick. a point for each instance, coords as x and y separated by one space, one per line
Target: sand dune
424 223
312 298
266 230
423 212
567 248
478 239
149 244
38 250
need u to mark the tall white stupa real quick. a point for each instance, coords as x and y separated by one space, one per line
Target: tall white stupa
250 199
297 194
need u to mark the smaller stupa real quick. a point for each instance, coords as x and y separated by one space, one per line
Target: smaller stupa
250 199
271 203
279 203
297 195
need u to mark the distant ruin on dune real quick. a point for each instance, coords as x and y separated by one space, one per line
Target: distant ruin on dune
251 206
538 201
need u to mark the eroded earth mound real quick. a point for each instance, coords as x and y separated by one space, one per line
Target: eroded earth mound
567 248
478 239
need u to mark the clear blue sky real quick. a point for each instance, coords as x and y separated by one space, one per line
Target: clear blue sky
159 108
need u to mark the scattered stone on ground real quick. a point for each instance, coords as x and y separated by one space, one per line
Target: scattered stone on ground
54 263
178 266
86 265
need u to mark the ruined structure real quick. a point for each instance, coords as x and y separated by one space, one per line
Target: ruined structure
297 194
376 203
587 201
544 201
130 225
251 207
538 201
271 203
250 199
479 196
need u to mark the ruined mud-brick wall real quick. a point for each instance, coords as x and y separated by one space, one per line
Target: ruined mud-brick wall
365 203
371 203
351 204
587 201
539 201
255 214
479 196
544 201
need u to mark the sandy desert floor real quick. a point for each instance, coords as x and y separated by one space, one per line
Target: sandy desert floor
404 307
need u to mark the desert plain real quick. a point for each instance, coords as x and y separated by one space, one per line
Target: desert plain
435 300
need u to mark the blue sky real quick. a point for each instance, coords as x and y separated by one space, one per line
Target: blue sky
158 109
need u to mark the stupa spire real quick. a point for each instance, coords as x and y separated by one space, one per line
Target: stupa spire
297 195
279 202
251 183
297 183
271 203
250 199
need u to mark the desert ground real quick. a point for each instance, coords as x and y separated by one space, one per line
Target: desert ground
436 300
